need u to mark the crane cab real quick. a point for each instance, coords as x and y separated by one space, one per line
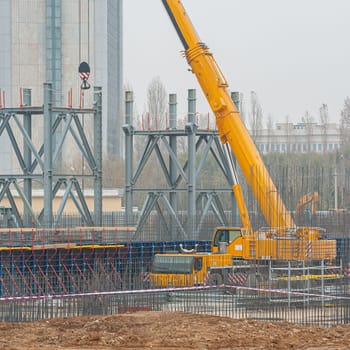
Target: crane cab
188 270
233 237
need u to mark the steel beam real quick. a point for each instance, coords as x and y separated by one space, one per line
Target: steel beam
47 171
97 170
129 142
191 128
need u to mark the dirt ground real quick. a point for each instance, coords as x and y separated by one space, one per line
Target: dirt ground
159 330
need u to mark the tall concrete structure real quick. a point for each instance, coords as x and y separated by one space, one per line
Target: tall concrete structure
109 73
44 41
5 76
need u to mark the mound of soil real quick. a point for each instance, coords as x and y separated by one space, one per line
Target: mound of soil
171 331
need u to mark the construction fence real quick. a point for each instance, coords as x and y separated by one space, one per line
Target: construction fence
88 270
227 301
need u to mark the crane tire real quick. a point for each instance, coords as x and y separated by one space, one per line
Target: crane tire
215 279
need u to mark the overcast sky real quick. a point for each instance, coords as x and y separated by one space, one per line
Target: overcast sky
295 54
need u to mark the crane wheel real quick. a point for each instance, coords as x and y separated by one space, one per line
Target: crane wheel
215 279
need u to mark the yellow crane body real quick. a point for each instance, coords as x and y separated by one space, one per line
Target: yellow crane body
267 245
282 240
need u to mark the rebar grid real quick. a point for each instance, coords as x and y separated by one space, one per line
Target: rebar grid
237 303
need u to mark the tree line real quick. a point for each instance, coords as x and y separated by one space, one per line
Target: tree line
294 174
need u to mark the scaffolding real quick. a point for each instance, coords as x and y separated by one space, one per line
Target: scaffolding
302 280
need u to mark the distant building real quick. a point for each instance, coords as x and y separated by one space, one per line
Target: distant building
45 40
299 138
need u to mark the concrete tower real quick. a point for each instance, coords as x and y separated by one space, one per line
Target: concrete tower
45 40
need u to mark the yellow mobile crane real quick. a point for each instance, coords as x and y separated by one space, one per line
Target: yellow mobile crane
282 240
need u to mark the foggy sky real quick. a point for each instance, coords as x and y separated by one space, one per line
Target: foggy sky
295 54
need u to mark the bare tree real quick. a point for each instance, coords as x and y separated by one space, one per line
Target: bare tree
255 119
288 127
242 109
345 124
269 126
157 103
139 140
113 173
308 120
324 120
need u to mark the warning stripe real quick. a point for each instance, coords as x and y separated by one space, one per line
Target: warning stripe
207 276
308 249
84 75
145 276
237 278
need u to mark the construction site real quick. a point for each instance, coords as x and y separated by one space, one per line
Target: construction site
208 234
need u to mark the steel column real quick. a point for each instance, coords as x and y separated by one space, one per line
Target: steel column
47 172
191 128
98 156
172 162
129 141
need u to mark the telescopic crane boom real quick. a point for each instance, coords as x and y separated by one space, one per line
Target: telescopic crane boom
282 241
231 128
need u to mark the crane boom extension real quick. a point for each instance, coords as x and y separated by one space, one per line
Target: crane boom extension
230 126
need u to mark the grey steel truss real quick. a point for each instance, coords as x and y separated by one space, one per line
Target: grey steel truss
180 177
38 163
